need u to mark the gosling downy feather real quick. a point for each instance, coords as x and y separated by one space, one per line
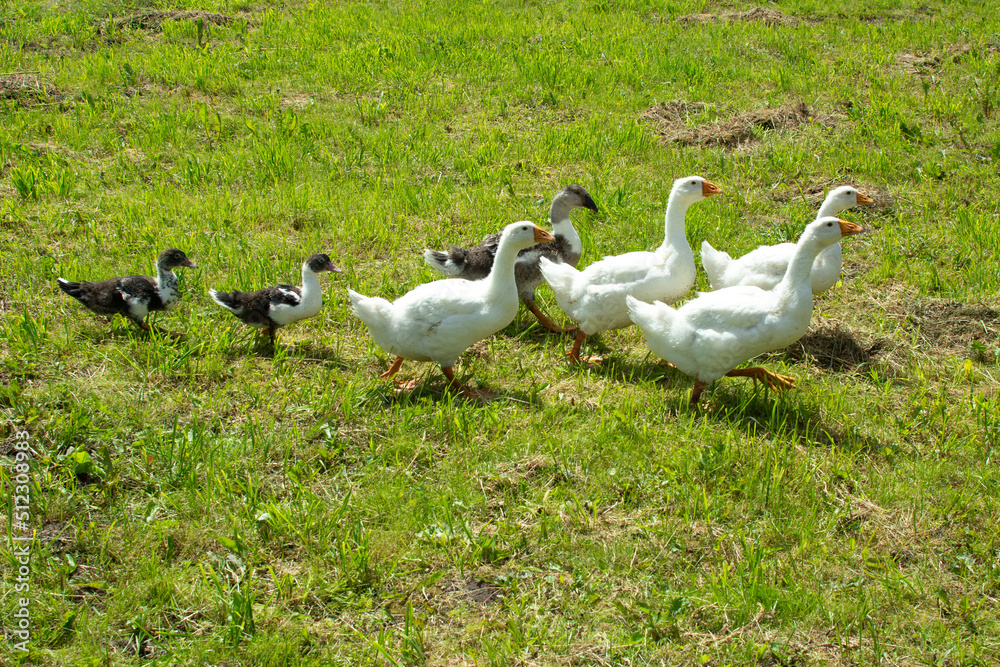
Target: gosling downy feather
710 335
133 297
475 263
765 266
439 320
281 305
595 297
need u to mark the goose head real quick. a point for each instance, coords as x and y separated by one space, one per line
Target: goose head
570 197
321 262
171 258
842 198
691 189
828 230
523 234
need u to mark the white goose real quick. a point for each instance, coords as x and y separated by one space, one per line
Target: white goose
438 321
711 334
595 297
765 266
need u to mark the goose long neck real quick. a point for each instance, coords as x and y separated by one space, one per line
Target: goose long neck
562 225
501 278
673 234
828 208
797 276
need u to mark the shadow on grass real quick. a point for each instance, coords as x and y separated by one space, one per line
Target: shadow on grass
434 387
619 368
759 410
317 354
114 332
837 348
526 327
744 404
260 348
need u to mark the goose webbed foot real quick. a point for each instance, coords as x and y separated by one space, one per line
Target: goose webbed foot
761 374
403 386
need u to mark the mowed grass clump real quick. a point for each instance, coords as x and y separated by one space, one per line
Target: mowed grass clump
204 500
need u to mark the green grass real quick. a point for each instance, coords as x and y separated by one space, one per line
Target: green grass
201 501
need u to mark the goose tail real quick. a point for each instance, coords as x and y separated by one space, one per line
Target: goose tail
225 299
650 315
715 263
451 263
560 277
75 290
371 310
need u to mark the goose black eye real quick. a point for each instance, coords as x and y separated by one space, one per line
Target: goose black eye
829 224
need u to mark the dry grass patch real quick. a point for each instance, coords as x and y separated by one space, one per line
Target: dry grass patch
835 346
919 64
58 536
949 326
470 591
671 123
537 470
297 101
25 88
152 19
926 64
765 15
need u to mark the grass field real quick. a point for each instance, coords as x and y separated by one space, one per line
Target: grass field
204 501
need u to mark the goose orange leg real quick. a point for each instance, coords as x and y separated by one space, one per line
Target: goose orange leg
546 321
396 365
574 352
699 387
761 374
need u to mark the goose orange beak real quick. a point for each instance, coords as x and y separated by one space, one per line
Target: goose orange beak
542 235
708 188
849 228
865 199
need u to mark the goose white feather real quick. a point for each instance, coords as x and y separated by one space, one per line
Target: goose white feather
765 266
438 321
595 297
475 263
710 335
